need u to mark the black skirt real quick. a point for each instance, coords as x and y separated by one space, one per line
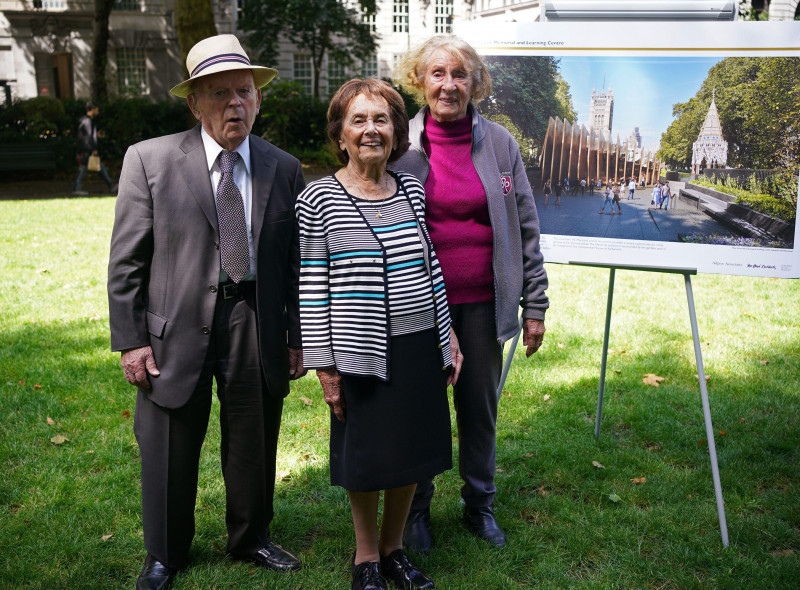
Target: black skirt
397 432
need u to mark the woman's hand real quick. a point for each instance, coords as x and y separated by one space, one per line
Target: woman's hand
457 358
533 334
331 382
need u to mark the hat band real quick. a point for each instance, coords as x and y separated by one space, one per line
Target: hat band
225 57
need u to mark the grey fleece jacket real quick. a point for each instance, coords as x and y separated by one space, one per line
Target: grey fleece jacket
518 264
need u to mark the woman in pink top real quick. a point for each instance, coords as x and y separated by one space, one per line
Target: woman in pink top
483 223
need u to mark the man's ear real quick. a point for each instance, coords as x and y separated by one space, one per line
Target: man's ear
191 100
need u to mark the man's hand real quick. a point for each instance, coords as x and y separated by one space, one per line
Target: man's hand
137 363
296 369
457 358
532 335
331 382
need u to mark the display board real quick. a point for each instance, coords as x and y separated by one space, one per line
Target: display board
655 101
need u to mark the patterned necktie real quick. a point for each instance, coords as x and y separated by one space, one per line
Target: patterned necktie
233 249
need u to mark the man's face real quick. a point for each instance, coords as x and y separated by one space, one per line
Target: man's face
226 104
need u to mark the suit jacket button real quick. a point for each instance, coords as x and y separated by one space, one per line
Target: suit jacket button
206 330
213 288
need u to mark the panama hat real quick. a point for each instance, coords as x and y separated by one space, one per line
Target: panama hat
220 53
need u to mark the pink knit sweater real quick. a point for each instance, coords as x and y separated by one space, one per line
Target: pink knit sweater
457 213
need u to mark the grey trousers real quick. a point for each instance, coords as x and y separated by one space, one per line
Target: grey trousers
475 402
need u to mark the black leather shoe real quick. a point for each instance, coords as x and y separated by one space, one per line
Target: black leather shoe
155 575
367 576
417 532
480 521
397 568
271 556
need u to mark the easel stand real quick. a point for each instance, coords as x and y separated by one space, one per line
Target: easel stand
712 449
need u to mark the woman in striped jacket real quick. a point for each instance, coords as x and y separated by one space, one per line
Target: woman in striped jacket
376 327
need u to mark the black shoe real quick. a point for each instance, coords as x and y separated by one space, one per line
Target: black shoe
417 532
271 556
481 523
367 576
155 575
397 568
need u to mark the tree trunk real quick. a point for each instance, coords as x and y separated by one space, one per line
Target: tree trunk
194 21
99 83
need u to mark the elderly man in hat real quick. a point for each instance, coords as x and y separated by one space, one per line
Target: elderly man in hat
202 287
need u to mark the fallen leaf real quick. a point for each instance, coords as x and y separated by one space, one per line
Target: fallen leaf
747 315
598 465
783 553
126 413
50 421
500 470
107 537
529 454
638 480
95 318
614 498
284 475
306 400
302 425
90 452
37 386
651 379
546 397
701 442
696 376
542 492
742 420
723 433
560 345
617 371
218 548
689 496
59 439
22 382
653 448
764 362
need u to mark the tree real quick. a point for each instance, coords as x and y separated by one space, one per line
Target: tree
194 21
529 90
321 27
99 85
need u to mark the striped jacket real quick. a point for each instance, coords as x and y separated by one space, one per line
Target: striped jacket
344 304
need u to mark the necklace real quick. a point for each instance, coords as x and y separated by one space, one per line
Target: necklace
384 186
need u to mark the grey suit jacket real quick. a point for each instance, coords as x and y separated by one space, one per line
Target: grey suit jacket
164 264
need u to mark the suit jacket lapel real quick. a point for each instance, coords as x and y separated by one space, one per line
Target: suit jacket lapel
263 167
194 168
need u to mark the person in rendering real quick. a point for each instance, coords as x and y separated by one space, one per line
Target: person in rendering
616 198
547 190
203 288
88 146
485 228
607 196
656 200
376 327
665 195
631 187
559 189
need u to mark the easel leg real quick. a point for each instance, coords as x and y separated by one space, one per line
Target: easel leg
712 449
605 354
509 358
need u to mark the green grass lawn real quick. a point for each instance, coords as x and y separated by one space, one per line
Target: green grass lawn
70 512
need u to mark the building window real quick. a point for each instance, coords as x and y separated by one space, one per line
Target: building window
51 4
443 16
337 75
239 11
369 67
129 5
303 72
132 71
400 16
370 21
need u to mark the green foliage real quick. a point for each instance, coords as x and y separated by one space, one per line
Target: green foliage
529 91
290 118
761 195
570 524
758 101
323 28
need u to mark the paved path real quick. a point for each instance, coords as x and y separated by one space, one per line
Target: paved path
578 216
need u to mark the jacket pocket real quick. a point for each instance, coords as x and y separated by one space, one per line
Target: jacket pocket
156 324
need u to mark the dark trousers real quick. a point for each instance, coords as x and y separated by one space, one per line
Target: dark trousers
170 441
83 162
475 402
